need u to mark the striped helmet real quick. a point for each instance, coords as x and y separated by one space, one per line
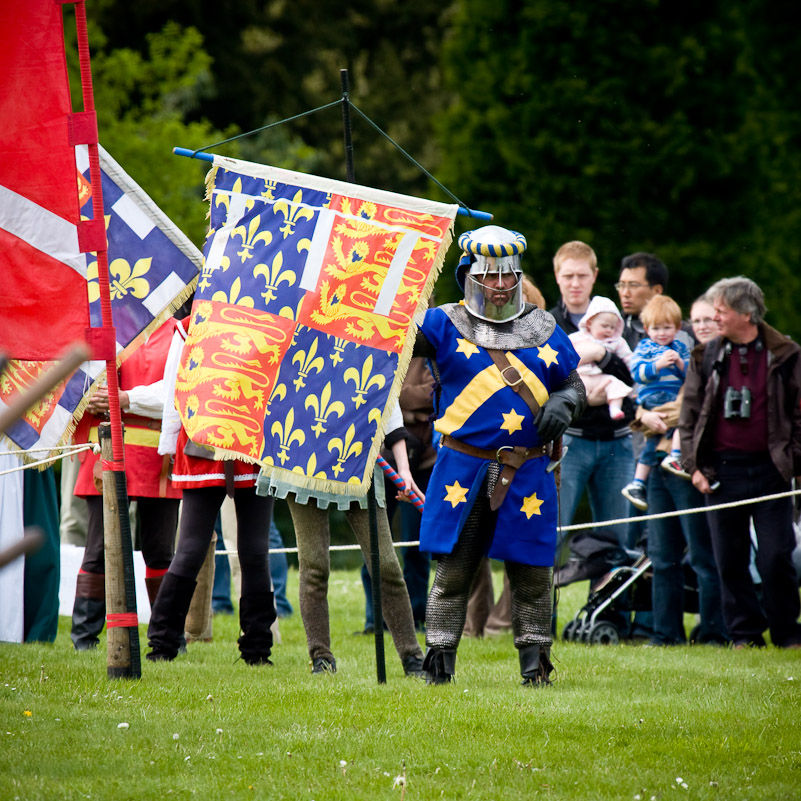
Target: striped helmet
491 250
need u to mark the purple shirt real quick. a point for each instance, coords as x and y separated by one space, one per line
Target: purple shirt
748 369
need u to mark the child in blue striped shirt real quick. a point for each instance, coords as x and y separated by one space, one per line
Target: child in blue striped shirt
658 366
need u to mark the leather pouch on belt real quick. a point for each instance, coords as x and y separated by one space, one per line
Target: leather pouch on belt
97 475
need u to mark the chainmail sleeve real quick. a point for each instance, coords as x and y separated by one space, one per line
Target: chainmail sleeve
574 381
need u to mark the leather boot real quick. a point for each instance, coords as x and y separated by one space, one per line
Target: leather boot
168 616
256 615
152 584
89 611
535 665
440 665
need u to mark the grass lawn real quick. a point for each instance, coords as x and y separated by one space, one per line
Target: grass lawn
621 722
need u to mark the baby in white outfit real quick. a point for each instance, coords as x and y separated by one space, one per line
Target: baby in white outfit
602 325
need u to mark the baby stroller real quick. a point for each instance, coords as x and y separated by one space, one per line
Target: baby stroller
623 589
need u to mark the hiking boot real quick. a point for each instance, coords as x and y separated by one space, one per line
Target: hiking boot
413 667
322 664
636 494
673 465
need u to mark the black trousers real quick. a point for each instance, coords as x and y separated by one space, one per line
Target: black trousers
199 513
158 519
741 476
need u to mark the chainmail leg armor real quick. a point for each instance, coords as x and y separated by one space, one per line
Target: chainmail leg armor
531 604
447 603
446 609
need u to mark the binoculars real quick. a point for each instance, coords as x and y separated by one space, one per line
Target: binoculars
737 403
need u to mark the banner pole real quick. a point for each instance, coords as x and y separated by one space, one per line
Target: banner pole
372 513
201 155
122 620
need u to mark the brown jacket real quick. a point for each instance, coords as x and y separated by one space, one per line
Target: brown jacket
697 418
417 406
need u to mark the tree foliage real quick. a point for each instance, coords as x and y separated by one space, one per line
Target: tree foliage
633 125
143 102
274 60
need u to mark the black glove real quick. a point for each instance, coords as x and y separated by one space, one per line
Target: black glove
557 414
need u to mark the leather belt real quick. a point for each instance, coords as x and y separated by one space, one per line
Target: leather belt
141 422
511 457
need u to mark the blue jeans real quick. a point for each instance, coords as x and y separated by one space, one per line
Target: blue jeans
668 539
603 468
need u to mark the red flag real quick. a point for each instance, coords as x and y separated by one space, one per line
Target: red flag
42 271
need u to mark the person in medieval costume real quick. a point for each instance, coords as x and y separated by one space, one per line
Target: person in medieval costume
508 386
205 481
146 472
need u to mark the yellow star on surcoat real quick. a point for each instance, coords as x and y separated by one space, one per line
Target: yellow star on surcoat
512 421
466 347
456 494
548 355
531 506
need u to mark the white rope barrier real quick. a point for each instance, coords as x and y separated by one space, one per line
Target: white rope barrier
582 526
66 450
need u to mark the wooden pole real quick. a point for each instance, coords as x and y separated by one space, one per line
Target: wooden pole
114 460
122 624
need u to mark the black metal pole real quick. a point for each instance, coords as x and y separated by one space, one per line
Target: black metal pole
375 556
343 77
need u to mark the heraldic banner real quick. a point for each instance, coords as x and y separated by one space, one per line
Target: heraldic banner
303 322
41 264
153 269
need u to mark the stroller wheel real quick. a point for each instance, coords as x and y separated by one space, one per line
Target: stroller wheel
569 631
603 633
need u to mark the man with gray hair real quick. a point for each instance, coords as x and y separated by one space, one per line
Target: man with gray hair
741 438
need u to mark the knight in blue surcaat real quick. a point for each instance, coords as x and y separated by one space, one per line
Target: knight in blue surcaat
507 388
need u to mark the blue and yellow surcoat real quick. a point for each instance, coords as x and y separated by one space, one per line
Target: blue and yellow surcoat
477 407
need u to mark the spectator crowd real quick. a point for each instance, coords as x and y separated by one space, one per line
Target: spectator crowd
682 412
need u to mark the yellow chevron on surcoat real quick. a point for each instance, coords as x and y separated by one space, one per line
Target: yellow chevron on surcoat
480 389
529 379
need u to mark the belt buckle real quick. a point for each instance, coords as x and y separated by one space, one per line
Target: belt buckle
511 383
498 452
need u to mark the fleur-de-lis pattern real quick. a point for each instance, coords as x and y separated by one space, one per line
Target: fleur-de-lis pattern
151 266
344 276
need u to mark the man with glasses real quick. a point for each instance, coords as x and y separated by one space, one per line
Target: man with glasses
643 275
